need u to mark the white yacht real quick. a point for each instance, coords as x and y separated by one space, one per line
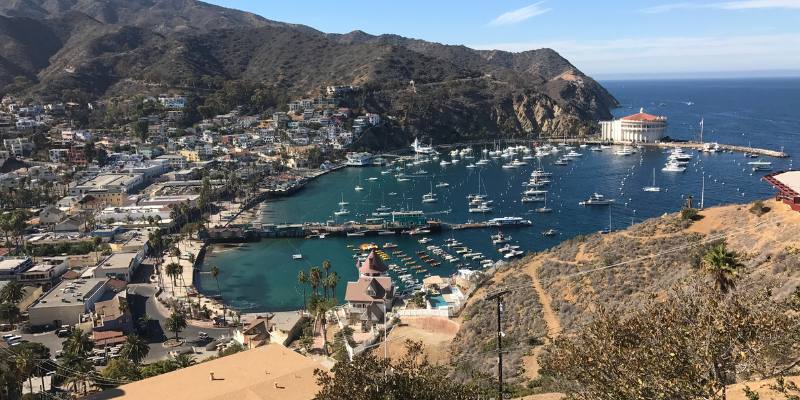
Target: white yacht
596 199
444 163
420 148
470 165
358 188
481 208
544 208
442 184
673 167
573 154
760 165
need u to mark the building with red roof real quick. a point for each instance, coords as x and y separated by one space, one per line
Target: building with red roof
788 185
371 296
640 127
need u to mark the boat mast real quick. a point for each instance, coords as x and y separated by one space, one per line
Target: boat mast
703 191
701 130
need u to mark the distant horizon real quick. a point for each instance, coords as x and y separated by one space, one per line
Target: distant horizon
698 75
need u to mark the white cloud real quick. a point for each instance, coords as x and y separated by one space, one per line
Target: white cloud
724 5
673 54
519 15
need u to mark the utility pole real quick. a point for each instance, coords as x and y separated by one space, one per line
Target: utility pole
498 296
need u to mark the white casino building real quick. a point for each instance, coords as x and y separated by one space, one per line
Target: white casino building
640 127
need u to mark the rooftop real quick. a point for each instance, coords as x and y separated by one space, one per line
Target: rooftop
71 292
644 117
9 264
788 181
270 372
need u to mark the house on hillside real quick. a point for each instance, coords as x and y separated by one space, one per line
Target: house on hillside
371 296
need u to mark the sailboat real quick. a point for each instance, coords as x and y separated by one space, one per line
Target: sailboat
429 197
544 208
358 187
653 188
342 210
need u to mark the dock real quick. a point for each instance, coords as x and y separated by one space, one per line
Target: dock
724 147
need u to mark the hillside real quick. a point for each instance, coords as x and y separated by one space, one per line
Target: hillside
53 48
621 273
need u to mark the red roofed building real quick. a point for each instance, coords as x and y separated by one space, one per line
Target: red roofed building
371 296
788 185
639 127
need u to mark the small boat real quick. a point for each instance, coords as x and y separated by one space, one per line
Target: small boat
358 188
596 148
386 233
596 199
297 256
532 199
429 197
560 161
544 208
624 151
425 240
442 184
549 232
760 165
341 212
372 178
653 188
343 203
386 172
444 163
389 245
403 179
481 208
355 234
673 167
470 165
573 154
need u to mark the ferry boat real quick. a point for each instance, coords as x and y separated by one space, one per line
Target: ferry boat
596 199
420 148
510 221
358 159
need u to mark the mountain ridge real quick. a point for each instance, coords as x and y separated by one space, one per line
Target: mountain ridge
94 46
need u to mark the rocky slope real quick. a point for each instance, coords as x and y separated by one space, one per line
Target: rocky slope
652 257
104 48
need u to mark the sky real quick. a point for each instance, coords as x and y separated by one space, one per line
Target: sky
607 39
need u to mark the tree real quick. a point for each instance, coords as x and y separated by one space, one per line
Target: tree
302 279
184 360
25 363
690 345
723 266
176 323
12 292
119 370
173 270
158 368
9 312
412 377
140 129
215 274
135 348
315 278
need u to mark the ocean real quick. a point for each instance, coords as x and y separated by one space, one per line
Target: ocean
762 112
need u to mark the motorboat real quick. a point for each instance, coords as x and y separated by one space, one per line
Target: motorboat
444 163
544 208
481 208
596 199
549 232
499 238
297 256
471 165
442 184
760 165
358 188
560 161
429 197
532 199
573 154
673 167
624 151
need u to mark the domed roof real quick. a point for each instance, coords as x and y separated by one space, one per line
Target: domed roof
372 266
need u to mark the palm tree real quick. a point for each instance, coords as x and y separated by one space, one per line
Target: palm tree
12 292
302 278
184 360
176 323
135 348
333 280
9 312
173 270
723 266
78 343
326 265
25 363
314 277
215 275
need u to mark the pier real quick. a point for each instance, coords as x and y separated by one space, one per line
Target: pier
724 147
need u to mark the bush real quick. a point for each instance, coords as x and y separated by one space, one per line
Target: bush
758 208
689 214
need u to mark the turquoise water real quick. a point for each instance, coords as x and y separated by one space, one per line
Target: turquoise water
438 301
262 276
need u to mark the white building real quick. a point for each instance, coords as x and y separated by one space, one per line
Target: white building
67 302
640 127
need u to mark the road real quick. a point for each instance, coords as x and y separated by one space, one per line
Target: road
142 300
